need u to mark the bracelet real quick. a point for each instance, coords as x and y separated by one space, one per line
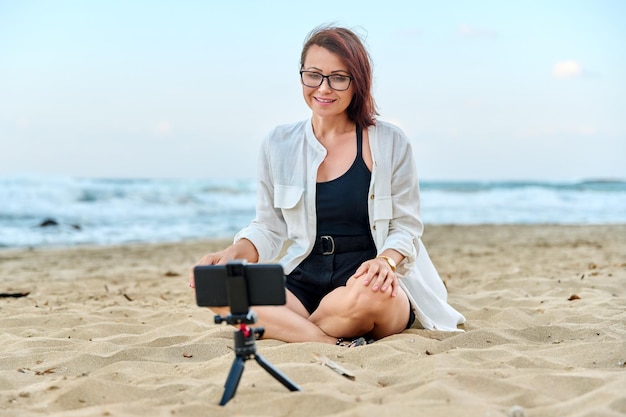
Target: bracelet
390 261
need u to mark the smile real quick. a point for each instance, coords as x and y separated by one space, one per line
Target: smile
324 100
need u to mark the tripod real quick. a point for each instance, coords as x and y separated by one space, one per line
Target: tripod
245 348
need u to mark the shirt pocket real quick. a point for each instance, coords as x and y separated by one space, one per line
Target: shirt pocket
289 200
383 208
287 196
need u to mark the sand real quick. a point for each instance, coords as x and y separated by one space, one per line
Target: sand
113 331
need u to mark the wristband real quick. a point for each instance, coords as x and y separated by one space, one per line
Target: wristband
390 261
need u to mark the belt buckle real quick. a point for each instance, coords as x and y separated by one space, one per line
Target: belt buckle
332 244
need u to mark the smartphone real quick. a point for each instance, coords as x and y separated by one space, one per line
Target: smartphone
251 285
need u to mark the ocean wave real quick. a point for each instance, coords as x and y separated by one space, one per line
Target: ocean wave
111 211
618 186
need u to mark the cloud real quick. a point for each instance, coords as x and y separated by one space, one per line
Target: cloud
163 128
586 131
467 31
22 123
572 131
567 69
472 103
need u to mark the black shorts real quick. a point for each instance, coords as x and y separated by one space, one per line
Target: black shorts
320 274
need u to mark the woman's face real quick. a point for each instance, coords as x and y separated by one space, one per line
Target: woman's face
323 100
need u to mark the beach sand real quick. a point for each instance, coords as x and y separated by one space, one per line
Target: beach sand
113 331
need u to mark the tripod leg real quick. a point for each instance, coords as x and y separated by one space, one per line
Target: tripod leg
276 373
230 387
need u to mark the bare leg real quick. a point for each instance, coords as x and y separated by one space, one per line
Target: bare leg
288 323
355 310
349 311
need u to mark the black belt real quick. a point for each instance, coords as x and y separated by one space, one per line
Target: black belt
328 245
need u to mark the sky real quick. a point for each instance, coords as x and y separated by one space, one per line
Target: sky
485 90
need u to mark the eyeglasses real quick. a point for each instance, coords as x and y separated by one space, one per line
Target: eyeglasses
336 82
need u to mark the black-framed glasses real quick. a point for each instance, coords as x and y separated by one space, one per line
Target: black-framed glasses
335 81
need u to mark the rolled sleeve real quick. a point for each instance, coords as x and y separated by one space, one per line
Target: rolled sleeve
267 230
402 206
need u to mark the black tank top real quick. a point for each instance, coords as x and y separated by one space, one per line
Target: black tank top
341 203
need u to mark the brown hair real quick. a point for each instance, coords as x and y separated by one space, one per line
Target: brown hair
348 46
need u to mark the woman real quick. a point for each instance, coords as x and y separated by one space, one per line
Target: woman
342 190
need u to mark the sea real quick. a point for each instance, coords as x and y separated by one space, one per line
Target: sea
51 211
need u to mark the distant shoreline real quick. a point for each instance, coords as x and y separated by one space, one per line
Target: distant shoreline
39 211
220 242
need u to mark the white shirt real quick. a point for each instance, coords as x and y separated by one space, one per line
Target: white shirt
286 213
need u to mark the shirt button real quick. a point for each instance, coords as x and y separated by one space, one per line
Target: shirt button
374 227
372 197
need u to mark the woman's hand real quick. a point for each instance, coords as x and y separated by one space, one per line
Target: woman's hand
379 275
242 249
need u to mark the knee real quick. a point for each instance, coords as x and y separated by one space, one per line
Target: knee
220 311
366 301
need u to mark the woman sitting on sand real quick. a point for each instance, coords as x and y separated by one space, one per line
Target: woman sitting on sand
342 189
